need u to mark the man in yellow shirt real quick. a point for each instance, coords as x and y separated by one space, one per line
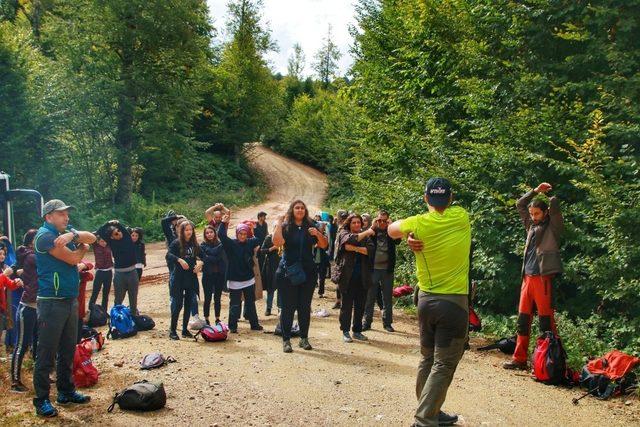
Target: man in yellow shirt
442 268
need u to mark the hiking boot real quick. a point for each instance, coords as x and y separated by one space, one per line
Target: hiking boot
346 337
257 328
286 346
445 419
44 408
304 344
73 397
337 305
359 336
389 328
515 366
18 387
187 334
366 327
173 335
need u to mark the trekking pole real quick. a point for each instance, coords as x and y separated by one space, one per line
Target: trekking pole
576 400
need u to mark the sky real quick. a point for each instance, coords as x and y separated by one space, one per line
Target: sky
300 21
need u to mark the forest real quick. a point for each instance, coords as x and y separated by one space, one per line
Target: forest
130 107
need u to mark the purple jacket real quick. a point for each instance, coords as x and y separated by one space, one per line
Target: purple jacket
27 262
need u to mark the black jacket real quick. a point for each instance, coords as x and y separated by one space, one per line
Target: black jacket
184 278
141 254
123 250
240 256
213 257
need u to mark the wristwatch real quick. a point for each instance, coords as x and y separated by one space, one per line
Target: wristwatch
76 236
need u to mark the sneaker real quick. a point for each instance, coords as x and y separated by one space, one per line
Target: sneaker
359 336
321 296
515 366
217 321
267 312
173 335
257 328
366 326
389 328
206 321
346 337
286 346
304 344
187 334
337 305
445 419
18 387
74 397
233 330
44 408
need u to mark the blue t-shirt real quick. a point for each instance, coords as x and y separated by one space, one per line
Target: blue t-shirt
56 278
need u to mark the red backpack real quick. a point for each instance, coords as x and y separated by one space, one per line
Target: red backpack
85 373
213 333
475 324
549 359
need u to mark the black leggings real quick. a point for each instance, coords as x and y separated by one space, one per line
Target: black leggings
296 298
182 293
353 302
27 330
102 281
213 285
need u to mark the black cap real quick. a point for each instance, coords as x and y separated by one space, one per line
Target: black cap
439 192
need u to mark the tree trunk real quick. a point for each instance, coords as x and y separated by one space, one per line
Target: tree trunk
125 134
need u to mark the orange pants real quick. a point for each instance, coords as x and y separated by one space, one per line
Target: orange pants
536 292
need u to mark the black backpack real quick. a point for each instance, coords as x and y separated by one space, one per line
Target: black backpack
144 323
141 396
97 316
505 345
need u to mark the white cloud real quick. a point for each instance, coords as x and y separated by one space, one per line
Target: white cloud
300 21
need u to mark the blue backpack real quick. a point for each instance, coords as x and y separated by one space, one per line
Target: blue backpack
121 323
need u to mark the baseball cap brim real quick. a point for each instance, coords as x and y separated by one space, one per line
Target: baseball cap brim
60 209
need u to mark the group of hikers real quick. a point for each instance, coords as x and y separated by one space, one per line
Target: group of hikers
294 259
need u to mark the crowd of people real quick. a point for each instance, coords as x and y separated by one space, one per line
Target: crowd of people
292 260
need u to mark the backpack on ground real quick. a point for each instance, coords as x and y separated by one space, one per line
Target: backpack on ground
549 359
97 316
144 323
87 332
610 375
213 333
141 396
295 330
475 324
85 373
505 345
94 343
121 324
196 323
155 360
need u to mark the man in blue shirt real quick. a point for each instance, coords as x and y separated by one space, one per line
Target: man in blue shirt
59 249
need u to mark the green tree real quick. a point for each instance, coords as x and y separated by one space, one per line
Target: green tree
133 65
326 60
296 62
251 99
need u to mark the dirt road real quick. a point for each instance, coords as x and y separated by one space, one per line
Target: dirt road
249 381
